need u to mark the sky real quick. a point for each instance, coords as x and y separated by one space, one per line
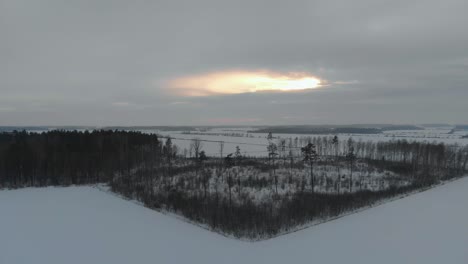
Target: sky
120 62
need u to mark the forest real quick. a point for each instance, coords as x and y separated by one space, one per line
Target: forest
301 180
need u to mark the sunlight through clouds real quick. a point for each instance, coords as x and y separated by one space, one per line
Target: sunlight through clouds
236 82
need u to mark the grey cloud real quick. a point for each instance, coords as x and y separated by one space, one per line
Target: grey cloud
68 62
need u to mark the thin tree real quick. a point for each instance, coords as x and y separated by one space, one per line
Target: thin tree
335 142
282 149
290 156
196 145
228 163
351 158
238 157
310 156
221 149
272 153
167 151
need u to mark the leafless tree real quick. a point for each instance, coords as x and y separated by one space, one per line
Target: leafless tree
221 148
310 156
197 146
282 149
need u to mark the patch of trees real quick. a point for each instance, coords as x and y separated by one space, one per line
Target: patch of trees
72 157
418 159
259 221
257 198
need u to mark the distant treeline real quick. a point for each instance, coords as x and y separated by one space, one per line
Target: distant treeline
41 128
318 130
401 127
161 128
334 130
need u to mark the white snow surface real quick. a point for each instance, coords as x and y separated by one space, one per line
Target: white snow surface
85 225
254 144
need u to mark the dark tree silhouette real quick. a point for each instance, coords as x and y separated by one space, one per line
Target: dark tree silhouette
310 156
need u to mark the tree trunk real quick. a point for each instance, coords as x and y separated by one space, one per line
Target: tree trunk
312 184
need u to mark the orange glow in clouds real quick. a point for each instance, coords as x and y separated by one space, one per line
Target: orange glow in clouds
235 82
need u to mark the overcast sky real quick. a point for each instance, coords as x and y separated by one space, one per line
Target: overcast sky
111 62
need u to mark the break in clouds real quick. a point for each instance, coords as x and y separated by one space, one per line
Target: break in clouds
274 62
237 82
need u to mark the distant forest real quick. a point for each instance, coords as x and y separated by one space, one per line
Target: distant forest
359 129
300 181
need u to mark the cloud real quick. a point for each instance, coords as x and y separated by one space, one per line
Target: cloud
237 82
179 103
346 82
73 59
121 104
7 109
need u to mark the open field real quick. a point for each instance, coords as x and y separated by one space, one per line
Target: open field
254 144
85 225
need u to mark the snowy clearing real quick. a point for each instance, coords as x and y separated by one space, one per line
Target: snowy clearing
85 225
253 144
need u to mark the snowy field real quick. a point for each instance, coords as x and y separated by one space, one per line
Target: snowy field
254 144
84 225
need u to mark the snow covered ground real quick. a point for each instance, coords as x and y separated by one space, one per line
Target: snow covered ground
254 144
85 225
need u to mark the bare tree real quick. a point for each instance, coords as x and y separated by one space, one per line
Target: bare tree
290 156
351 158
197 146
221 148
272 149
465 158
282 149
228 163
335 142
336 145
310 155
272 153
270 137
206 175
168 153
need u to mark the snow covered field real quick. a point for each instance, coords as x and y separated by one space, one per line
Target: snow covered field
85 225
253 144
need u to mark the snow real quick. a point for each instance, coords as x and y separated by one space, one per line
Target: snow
85 225
254 144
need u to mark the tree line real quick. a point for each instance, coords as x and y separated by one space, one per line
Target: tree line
72 157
